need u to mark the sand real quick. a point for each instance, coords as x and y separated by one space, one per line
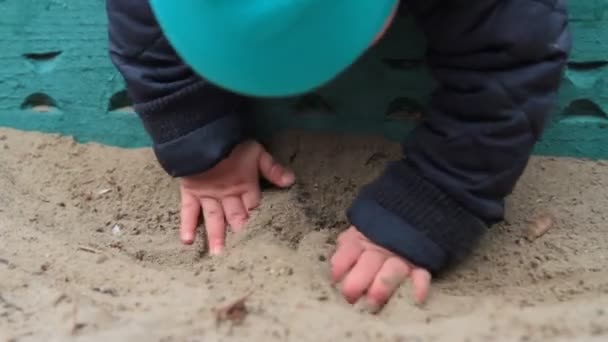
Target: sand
89 251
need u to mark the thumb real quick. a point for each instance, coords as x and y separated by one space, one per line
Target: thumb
274 172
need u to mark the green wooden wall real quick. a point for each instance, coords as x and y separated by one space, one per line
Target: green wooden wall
56 77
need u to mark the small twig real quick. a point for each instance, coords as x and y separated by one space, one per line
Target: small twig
103 192
89 250
87 182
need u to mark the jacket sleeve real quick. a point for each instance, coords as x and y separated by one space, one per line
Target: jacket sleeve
498 65
193 124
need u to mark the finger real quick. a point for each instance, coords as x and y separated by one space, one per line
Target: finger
361 276
344 258
190 212
421 282
214 224
387 281
348 235
235 212
252 199
275 173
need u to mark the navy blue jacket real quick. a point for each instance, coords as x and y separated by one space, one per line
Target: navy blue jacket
498 65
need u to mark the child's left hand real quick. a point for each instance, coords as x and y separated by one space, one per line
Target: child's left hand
364 267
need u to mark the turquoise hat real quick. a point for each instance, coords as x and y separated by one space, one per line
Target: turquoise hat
271 47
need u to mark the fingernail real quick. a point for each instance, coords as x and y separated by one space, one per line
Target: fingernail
215 251
187 239
288 178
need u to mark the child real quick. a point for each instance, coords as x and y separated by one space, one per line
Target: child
190 66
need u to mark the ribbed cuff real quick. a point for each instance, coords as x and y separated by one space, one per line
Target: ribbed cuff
194 128
418 221
201 149
393 233
192 107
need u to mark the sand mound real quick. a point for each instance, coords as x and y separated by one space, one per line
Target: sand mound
89 251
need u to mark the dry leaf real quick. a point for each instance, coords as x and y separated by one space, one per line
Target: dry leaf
539 226
235 311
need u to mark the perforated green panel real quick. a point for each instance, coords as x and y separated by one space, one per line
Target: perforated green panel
56 77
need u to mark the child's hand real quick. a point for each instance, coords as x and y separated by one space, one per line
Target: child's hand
364 267
227 192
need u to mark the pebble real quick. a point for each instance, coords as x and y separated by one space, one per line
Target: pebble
117 229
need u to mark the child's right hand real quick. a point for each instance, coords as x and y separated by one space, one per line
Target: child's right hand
227 192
